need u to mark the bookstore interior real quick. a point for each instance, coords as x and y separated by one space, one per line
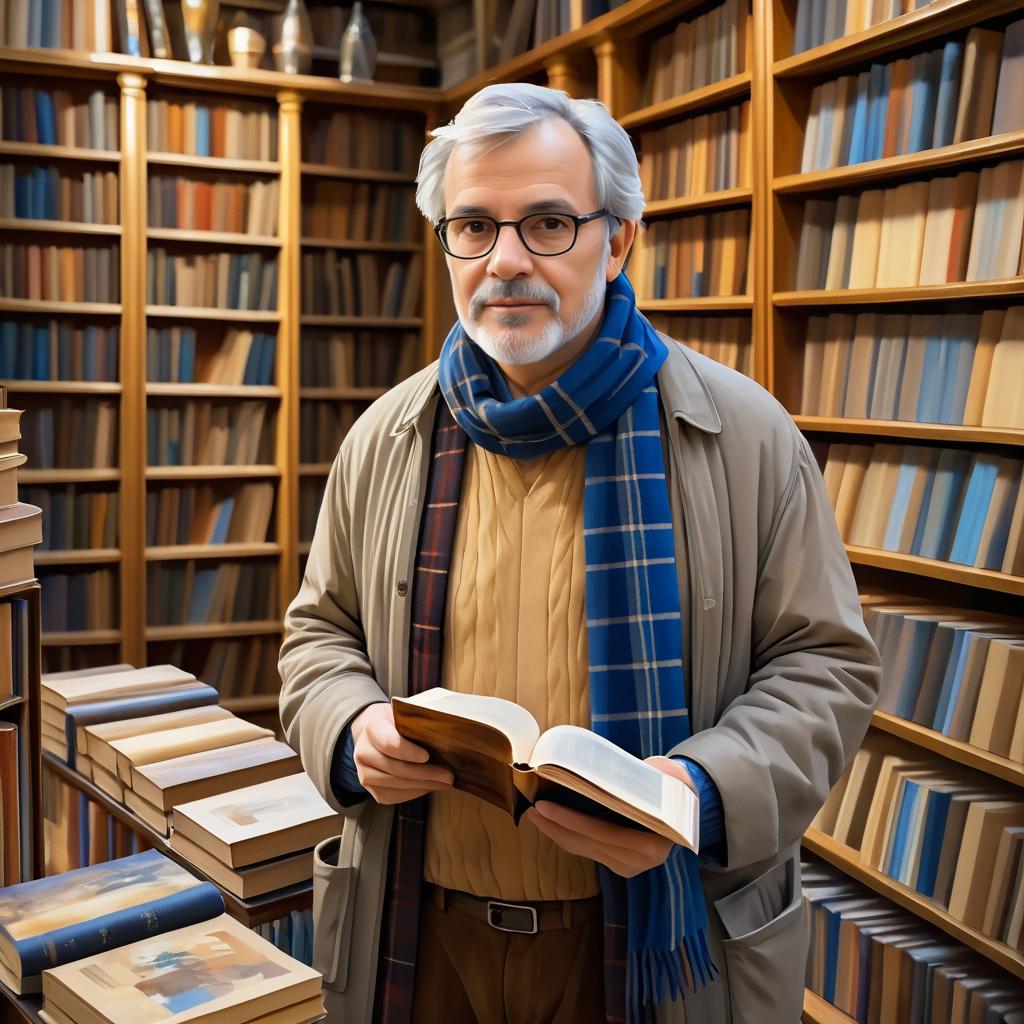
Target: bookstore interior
211 264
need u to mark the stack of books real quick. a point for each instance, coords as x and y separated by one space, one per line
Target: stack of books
140 940
258 839
20 524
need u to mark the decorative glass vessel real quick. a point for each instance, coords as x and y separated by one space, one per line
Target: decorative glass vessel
293 52
357 59
200 21
246 46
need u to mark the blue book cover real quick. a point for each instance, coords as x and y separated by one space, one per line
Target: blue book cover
266 375
922 633
974 510
901 826
924 97
931 840
187 357
944 503
949 93
8 348
929 398
203 586
52 194
83 828
219 534
46 128
35 24
802 32
833 923
946 706
878 107
901 500
959 363
73 915
38 211
112 336
89 352
22 195
202 130
41 354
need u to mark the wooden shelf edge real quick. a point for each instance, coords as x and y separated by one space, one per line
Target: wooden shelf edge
39 149
213 630
251 703
820 1011
160 389
82 638
219 163
358 174
330 320
67 476
209 472
984 579
705 201
912 430
55 307
174 552
203 237
353 393
87 556
63 227
12 700
844 858
63 387
359 244
709 302
261 316
1009 287
697 99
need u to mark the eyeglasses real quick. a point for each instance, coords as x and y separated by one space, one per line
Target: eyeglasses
543 234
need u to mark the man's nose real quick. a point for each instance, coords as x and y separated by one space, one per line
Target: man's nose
509 258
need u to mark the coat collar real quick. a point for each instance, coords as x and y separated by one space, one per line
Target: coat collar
684 393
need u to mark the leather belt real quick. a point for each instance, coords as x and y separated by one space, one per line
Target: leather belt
526 918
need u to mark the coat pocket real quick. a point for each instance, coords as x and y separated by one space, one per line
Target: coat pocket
333 897
765 947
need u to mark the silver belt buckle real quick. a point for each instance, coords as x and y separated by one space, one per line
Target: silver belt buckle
512 917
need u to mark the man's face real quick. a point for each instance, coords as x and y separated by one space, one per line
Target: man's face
519 307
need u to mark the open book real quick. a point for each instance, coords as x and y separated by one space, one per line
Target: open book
496 751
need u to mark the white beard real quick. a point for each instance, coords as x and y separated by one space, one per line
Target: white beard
510 346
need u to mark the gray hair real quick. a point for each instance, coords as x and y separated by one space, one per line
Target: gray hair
508 109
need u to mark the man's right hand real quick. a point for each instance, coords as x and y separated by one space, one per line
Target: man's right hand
392 769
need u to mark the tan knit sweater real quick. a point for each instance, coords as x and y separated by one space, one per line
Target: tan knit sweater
515 628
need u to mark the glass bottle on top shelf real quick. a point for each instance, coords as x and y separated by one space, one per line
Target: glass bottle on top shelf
357 59
293 52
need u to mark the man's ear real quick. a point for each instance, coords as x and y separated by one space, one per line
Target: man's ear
621 242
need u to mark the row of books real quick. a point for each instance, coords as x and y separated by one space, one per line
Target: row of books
194 127
701 154
60 24
224 280
208 514
952 835
234 667
957 368
365 284
241 356
359 359
699 51
68 937
311 496
71 433
704 254
47 193
83 119
726 339
360 211
246 207
323 425
365 141
76 518
58 350
79 599
877 962
60 273
201 432
191 592
953 670
14 647
943 503
963 228
945 95
821 21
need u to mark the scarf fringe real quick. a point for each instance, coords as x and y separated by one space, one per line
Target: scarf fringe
659 974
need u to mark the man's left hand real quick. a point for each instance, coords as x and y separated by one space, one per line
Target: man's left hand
626 851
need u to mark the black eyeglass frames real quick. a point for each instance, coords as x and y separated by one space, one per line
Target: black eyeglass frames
543 234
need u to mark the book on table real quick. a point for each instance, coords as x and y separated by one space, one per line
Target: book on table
496 751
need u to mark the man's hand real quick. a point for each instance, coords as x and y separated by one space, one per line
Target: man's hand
626 851
392 769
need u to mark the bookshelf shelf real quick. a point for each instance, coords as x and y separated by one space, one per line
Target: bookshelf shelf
39 150
821 1011
906 428
67 476
365 394
214 163
234 550
1009 287
1007 144
201 390
706 201
955 750
314 469
399 323
712 95
215 238
360 246
210 472
358 174
56 308
63 387
82 638
12 702
193 630
928 22
696 304
59 227
248 316
305 547
846 859
986 579
87 556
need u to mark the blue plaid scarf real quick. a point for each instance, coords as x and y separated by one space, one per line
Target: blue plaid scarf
608 400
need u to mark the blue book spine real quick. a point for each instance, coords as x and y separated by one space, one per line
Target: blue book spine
831 952
39 193
45 118
188 356
961 364
22 195
75 942
958 661
267 359
113 339
202 130
931 842
930 397
922 634
900 502
974 511
925 92
949 93
219 534
905 808
83 829
878 106
89 351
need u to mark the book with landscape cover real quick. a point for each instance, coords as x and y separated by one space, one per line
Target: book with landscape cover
52 921
496 752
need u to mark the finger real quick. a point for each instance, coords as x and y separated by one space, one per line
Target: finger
375 759
371 777
670 766
572 842
396 796
383 735
604 832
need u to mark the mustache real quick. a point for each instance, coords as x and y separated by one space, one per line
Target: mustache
504 291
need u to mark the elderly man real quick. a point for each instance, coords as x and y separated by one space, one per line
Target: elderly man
573 512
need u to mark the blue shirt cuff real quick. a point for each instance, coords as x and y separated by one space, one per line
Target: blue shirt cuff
348 790
712 815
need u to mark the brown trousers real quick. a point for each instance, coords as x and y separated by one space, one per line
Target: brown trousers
468 972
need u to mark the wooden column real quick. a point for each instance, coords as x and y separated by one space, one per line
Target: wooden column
563 73
288 333
618 81
762 141
132 443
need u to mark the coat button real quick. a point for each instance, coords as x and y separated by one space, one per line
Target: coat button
403 588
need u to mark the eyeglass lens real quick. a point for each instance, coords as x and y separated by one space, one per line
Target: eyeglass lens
545 234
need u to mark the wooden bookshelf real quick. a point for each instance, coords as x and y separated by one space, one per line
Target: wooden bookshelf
819 1011
705 201
911 429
